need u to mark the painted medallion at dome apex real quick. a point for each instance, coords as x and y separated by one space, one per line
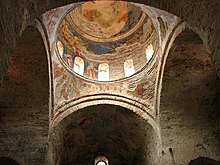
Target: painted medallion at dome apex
105 21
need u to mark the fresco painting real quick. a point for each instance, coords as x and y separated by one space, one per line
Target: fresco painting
72 87
68 58
104 19
144 91
73 40
85 48
110 16
92 70
67 85
50 20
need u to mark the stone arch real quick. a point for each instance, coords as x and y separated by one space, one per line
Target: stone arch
80 103
24 99
203 161
8 161
177 30
104 108
189 100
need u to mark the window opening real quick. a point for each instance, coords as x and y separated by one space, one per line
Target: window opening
78 66
60 48
101 163
101 160
103 72
149 52
128 68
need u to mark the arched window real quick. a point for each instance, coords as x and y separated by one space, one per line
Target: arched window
101 160
149 52
78 66
60 48
128 68
101 163
103 72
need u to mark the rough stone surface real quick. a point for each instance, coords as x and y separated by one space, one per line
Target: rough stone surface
189 111
203 161
103 129
24 103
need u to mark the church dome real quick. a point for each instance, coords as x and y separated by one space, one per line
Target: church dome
106 40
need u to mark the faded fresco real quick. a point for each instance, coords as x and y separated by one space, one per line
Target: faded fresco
87 32
66 44
104 16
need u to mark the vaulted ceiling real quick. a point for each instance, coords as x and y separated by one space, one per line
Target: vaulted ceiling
189 102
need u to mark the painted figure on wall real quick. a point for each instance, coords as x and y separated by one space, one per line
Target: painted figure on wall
106 15
69 59
91 70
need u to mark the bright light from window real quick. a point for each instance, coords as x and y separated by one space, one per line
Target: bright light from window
128 68
103 72
101 163
149 52
101 160
60 48
78 66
